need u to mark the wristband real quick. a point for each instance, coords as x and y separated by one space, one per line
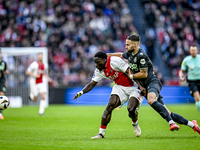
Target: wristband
131 76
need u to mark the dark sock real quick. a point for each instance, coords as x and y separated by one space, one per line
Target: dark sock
0 111
179 119
161 110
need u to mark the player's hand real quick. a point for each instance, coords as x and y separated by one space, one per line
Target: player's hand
78 95
182 78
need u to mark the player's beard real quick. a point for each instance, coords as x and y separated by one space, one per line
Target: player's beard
131 51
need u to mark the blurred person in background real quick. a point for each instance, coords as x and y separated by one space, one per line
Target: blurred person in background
36 71
3 71
191 64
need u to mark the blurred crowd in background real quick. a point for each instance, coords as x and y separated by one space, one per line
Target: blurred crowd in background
73 31
176 24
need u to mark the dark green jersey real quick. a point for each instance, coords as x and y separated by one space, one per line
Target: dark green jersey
138 61
3 67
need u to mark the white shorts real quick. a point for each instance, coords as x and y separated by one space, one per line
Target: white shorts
125 93
35 89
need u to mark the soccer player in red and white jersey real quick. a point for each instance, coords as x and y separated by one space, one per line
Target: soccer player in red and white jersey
125 89
36 71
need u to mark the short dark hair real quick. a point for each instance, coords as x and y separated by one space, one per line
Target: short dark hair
134 37
101 55
194 45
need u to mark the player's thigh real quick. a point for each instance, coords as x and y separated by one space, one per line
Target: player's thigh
120 92
153 91
42 90
34 89
193 87
114 102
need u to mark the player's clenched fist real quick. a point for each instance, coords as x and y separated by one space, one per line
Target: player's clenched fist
78 95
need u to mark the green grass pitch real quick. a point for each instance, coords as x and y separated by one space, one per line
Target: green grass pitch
66 127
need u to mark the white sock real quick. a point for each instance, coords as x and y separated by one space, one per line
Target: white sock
190 124
102 131
171 122
42 106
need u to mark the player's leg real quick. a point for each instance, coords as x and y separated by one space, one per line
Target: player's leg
42 103
42 90
132 107
33 91
197 100
194 90
152 96
114 102
180 119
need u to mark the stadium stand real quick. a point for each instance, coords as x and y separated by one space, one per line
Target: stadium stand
176 25
73 31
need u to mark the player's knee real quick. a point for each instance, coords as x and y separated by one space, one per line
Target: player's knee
131 108
151 97
113 103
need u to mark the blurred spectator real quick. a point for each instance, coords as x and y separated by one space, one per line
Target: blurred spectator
176 24
73 31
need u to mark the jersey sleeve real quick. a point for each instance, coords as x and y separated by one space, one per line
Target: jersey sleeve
32 67
5 66
125 55
143 61
97 76
119 64
183 65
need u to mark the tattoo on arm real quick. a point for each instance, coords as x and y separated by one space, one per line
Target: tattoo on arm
144 70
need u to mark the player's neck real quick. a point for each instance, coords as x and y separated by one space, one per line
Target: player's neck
40 62
135 51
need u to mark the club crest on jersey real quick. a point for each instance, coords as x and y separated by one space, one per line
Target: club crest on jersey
142 61
135 59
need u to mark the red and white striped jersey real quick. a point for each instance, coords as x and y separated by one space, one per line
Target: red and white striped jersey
115 70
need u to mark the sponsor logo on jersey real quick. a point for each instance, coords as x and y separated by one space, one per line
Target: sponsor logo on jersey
141 53
134 66
142 61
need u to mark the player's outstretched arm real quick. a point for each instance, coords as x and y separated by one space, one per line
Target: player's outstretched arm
86 89
115 54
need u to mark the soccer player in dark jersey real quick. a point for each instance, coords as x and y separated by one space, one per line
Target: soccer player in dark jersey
3 71
142 68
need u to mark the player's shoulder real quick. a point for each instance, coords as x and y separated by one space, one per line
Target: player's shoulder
34 64
141 53
187 58
115 60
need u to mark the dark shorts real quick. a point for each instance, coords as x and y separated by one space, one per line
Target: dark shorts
154 86
2 87
194 86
